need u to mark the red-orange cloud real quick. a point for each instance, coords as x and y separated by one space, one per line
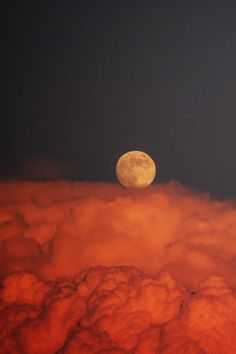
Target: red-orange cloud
96 268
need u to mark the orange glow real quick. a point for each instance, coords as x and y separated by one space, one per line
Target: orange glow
96 268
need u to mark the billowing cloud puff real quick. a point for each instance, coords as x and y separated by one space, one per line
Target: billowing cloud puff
96 268
116 310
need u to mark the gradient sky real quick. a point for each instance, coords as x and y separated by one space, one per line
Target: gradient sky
85 81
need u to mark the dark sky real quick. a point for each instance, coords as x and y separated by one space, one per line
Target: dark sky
85 81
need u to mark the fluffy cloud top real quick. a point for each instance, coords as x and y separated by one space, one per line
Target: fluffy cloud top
96 268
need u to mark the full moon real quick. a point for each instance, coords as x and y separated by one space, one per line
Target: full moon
135 169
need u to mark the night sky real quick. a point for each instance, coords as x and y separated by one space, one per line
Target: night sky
85 81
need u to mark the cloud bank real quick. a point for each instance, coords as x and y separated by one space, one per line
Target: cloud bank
96 268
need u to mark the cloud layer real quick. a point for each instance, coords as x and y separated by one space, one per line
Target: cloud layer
96 268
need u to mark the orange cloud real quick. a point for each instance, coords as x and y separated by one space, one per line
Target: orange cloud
96 268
